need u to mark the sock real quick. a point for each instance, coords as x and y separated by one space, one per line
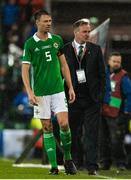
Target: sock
50 146
65 137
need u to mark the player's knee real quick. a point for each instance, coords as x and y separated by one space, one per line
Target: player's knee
48 128
64 126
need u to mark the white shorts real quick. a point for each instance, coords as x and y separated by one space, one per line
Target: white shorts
52 103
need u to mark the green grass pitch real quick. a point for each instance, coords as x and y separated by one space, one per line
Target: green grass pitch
7 171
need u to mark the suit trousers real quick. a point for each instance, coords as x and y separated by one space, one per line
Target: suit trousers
84 117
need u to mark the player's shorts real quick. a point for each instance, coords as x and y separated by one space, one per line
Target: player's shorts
52 103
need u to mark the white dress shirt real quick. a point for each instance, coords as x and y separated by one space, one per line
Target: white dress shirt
77 46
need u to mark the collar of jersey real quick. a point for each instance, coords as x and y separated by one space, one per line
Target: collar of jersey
38 39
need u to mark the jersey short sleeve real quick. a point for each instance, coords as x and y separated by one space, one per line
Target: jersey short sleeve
61 45
26 53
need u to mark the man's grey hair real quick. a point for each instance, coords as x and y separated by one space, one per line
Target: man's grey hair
83 21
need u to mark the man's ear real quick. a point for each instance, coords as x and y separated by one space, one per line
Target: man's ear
37 21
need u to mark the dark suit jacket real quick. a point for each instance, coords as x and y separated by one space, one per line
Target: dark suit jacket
94 70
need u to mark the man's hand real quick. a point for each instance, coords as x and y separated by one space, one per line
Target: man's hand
71 95
32 99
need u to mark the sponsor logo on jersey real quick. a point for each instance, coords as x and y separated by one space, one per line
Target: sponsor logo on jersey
46 47
55 45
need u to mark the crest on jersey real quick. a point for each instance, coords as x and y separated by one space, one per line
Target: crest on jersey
55 45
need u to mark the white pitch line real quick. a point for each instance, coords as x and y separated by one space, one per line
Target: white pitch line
105 177
30 165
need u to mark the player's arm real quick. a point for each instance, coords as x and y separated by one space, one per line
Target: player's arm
26 81
66 74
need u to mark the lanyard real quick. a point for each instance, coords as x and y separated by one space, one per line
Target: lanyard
78 60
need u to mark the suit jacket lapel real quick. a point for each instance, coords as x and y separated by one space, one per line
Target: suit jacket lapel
87 54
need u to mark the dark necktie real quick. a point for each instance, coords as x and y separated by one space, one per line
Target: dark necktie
80 52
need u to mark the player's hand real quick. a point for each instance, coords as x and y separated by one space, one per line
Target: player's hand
71 95
33 99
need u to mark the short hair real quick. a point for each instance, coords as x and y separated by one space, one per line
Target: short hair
115 53
80 22
39 13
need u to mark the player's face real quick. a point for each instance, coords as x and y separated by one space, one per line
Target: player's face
44 23
82 33
115 62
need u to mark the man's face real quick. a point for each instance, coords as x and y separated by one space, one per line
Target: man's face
115 62
44 23
82 33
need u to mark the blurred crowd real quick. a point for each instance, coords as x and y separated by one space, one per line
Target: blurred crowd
16 26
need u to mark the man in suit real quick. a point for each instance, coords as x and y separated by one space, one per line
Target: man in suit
87 69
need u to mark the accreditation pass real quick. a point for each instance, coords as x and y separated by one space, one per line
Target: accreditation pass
81 76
